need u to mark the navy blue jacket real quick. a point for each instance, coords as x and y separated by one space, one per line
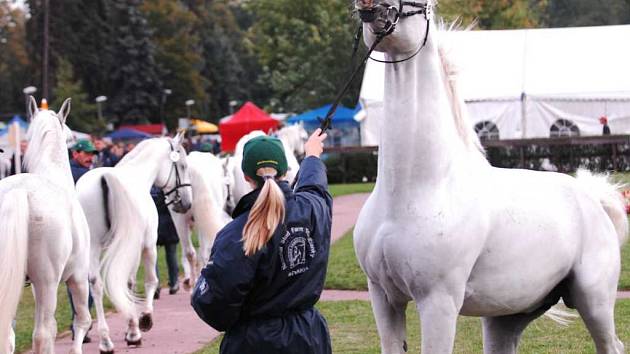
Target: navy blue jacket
77 170
264 302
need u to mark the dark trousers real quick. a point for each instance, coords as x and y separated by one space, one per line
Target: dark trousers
171 262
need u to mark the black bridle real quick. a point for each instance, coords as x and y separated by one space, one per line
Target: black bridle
392 15
178 181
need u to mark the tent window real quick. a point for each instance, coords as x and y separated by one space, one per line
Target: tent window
487 130
564 128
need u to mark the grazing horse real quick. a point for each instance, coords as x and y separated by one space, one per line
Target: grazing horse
43 235
209 199
456 236
123 223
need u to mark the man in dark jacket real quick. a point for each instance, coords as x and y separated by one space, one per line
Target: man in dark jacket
265 301
167 237
82 156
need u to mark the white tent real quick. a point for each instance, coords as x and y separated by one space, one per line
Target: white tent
526 81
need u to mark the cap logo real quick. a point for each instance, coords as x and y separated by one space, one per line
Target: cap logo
267 161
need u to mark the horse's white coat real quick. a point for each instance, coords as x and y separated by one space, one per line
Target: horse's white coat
209 200
456 236
43 234
133 228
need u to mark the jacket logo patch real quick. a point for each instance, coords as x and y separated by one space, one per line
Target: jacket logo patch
296 250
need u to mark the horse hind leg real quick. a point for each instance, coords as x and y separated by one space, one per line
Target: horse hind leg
150 286
105 345
78 286
390 321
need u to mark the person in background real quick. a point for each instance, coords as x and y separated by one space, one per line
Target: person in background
117 151
167 237
23 146
267 266
103 157
82 156
603 120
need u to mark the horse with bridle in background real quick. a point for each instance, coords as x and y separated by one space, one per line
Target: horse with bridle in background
453 234
123 224
43 234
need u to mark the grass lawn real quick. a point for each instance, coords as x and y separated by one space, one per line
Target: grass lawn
337 190
344 272
353 330
26 309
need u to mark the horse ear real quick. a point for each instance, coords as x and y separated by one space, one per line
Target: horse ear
301 124
179 137
64 111
32 107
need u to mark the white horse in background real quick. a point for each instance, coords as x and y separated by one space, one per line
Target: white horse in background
123 223
456 236
292 137
43 234
5 167
207 213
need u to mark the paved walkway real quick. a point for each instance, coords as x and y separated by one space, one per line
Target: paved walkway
178 330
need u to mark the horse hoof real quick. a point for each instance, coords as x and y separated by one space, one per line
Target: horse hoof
108 352
186 283
146 322
136 343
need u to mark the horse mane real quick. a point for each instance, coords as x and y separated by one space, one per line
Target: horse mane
137 150
450 75
41 136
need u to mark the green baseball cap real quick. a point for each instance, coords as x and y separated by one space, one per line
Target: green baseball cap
263 151
84 145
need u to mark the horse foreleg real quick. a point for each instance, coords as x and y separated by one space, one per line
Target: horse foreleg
78 286
438 316
390 321
45 331
11 340
151 283
189 256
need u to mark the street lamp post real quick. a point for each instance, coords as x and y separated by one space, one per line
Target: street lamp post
165 94
99 100
233 104
189 104
27 92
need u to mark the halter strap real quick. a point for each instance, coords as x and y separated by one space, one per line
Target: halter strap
178 183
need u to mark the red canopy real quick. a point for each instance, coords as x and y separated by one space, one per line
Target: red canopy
247 119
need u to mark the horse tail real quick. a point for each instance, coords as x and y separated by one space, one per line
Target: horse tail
609 195
123 253
14 215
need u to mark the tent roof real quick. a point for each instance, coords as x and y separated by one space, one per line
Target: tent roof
127 133
154 129
569 62
248 113
342 114
204 127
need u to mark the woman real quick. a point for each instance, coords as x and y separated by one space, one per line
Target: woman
268 266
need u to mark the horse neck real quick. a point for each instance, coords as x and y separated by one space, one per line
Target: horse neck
145 166
419 140
53 163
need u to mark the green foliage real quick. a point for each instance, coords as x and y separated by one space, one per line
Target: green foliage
83 116
136 77
14 60
304 48
177 54
494 14
565 13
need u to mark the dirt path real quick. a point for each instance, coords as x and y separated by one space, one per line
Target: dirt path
177 328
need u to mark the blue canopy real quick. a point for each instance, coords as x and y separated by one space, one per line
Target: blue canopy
16 119
127 134
342 115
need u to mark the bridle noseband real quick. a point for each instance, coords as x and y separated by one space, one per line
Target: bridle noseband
178 182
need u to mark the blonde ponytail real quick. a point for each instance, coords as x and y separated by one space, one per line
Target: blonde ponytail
266 214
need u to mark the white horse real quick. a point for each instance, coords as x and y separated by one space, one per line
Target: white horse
209 200
456 236
123 223
43 234
5 167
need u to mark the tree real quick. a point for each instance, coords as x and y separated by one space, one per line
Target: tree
135 78
178 54
303 47
494 14
14 60
83 113
565 13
